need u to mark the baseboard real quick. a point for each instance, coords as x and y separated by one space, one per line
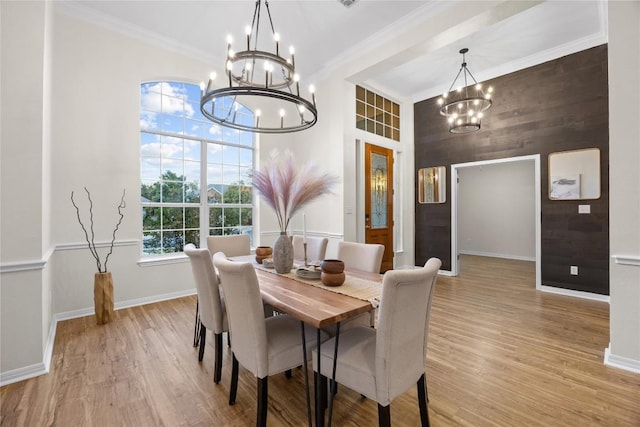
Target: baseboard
492 255
31 371
577 294
620 362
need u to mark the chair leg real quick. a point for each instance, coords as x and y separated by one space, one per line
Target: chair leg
203 337
196 326
217 365
288 373
422 401
233 390
263 401
228 339
384 416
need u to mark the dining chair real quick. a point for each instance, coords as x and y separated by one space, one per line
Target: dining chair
361 256
232 245
365 257
263 345
211 305
383 363
316 248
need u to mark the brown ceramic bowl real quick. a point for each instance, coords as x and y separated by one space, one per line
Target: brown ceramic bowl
332 266
332 279
264 251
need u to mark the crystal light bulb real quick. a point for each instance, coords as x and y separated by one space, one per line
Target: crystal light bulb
247 30
312 89
257 113
276 36
291 50
229 39
440 101
296 77
201 85
282 112
212 75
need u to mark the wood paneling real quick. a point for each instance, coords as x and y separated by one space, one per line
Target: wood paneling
499 354
559 105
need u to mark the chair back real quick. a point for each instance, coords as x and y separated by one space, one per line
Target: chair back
361 256
245 313
316 248
209 303
232 245
403 322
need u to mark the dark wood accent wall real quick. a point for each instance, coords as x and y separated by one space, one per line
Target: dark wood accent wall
559 105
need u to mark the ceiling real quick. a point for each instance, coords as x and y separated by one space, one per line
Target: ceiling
407 50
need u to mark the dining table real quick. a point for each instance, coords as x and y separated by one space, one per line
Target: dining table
320 306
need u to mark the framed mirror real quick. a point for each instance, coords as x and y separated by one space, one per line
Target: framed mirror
432 185
574 175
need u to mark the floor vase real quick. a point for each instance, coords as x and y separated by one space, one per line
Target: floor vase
103 297
283 254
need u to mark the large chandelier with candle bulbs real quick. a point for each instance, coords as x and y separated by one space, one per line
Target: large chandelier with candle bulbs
264 82
464 107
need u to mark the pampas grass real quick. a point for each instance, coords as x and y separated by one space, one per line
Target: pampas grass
287 188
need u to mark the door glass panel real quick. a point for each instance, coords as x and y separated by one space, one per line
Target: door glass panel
378 191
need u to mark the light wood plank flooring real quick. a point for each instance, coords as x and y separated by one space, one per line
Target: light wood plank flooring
500 354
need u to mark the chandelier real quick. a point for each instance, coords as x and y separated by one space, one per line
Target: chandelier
465 106
264 82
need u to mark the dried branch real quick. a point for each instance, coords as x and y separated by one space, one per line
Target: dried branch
86 235
91 241
121 206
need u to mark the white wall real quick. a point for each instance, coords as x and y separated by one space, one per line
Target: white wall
24 294
624 197
496 210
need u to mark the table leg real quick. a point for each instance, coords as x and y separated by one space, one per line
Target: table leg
334 385
319 385
306 374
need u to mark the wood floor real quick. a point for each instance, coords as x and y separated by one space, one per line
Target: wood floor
500 354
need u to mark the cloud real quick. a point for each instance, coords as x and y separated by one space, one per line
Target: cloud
167 98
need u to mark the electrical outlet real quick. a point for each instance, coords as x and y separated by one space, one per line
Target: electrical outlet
574 270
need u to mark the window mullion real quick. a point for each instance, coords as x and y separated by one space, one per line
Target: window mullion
204 205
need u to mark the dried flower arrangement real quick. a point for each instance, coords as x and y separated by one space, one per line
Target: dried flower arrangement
91 242
287 188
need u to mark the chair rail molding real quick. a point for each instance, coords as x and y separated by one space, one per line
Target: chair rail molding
627 259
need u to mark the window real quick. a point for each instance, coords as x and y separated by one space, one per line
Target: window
182 153
376 114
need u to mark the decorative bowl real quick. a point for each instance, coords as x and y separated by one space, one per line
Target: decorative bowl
332 266
332 279
264 251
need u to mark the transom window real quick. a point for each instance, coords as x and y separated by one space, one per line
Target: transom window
377 114
182 153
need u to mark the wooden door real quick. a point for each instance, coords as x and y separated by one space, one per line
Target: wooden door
378 187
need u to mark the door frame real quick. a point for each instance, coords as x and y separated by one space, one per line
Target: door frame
537 215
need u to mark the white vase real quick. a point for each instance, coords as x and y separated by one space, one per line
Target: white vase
283 253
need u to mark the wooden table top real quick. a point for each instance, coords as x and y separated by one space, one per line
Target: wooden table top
315 306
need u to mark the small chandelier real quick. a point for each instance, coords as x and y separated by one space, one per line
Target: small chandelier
263 82
465 106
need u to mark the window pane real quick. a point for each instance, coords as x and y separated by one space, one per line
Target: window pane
172 192
171 124
172 218
246 216
360 93
148 120
246 157
232 218
192 217
214 153
151 243
149 168
172 241
150 218
215 217
150 191
192 236
230 155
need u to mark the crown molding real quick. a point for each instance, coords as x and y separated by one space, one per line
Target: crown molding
78 10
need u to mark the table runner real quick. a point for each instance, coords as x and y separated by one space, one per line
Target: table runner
366 290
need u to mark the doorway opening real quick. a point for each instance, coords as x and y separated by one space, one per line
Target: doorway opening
490 188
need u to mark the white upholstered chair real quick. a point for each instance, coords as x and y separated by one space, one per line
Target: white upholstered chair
361 256
365 257
383 363
316 248
211 304
232 245
264 346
